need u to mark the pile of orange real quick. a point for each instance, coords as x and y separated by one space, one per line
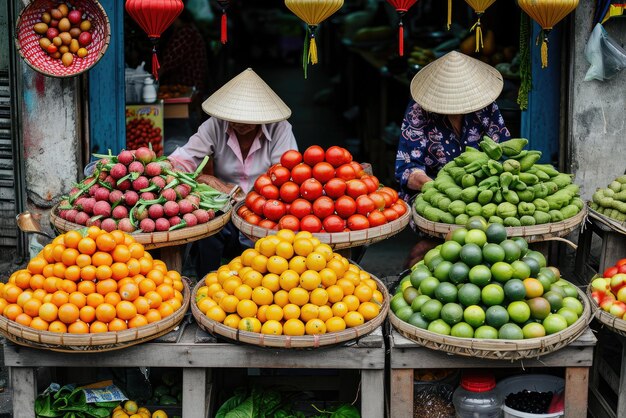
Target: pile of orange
290 284
103 281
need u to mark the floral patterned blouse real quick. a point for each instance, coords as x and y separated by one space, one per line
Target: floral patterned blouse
428 141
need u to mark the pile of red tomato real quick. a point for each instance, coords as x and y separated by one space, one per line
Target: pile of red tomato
320 191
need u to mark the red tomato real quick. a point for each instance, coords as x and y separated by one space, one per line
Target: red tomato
288 207
252 218
243 211
345 172
310 223
358 169
323 207
364 205
610 272
390 214
347 157
262 180
336 156
258 204
300 173
313 155
290 159
289 222
323 172
279 175
620 262
387 197
289 192
355 188
379 200
335 188
311 189
251 197
334 223
376 218
399 207
266 223
358 222
269 191
300 208
371 182
622 268
345 206
391 192
274 210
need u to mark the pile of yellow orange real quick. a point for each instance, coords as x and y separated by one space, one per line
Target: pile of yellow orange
290 284
130 409
103 281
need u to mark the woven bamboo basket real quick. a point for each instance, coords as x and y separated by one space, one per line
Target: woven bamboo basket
615 324
27 41
496 349
106 341
158 239
615 225
535 233
337 240
285 341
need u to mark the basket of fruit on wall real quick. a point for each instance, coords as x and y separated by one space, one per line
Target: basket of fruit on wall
62 39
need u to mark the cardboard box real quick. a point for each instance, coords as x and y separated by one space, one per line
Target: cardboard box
144 125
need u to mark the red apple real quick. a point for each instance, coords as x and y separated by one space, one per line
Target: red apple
84 39
610 272
52 33
75 17
598 296
617 282
618 309
606 304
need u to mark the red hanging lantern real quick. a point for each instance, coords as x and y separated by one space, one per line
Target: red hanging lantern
154 17
224 29
401 6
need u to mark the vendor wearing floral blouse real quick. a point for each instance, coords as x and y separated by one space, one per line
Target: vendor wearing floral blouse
452 108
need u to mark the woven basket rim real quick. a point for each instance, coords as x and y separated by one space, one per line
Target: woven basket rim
613 323
337 240
534 233
609 222
33 338
159 239
496 348
281 341
105 45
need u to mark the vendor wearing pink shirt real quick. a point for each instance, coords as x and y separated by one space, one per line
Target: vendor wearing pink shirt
245 136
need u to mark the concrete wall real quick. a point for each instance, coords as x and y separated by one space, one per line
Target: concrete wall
598 111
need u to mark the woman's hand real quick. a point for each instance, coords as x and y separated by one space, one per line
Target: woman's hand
417 179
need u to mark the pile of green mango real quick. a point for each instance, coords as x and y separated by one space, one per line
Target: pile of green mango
611 201
503 184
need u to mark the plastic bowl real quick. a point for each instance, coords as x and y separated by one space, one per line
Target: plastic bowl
531 382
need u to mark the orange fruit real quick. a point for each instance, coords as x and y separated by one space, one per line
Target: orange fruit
298 264
146 264
534 288
216 313
310 280
87 246
289 279
174 303
352 302
86 287
36 281
106 242
298 296
229 303
308 312
166 291
117 324
78 327
67 286
104 272
243 292
47 253
253 278
113 298
121 254
354 277
69 256
31 307
48 311
165 310
204 304
136 250
346 285
95 299
12 310
11 293
68 313
23 319
49 285
58 269
335 293
324 312
94 231
72 273
48 270
60 297
118 236
97 327
39 324
293 327
274 312
24 297
78 299
335 324
363 292
250 325
271 281
232 321
134 268
72 238
22 280
262 296
281 298
138 321
315 327
156 276
154 298
105 312
101 259
142 305
340 309
246 308
36 265
106 286
353 319
87 314
272 327
57 326
57 252
129 291
88 273
369 310
153 315
119 270
277 264
291 311
337 267
146 285
319 297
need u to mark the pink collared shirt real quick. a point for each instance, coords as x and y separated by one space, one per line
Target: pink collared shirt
216 139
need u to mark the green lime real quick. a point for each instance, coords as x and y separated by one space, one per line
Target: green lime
418 302
442 270
572 303
555 299
502 272
567 313
430 255
510 331
547 271
541 259
469 294
450 251
409 294
458 235
474 315
418 265
558 289
533 264
431 309
462 330
451 313
405 279
397 302
480 275
514 289
545 282
556 271
417 320
476 236
554 323
496 233
496 316
439 326
522 243
533 330
446 292
404 285
518 311
476 222
418 275
404 313
492 294
428 286
471 254
570 291
486 332
539 307
459 272
434 262
520 270
493 253
511 250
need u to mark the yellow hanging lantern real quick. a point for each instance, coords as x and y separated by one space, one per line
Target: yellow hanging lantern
312 12
547 13
479 7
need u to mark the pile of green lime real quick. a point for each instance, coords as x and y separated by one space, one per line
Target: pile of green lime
479 284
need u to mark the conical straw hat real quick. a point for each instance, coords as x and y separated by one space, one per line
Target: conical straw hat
246 99
456 84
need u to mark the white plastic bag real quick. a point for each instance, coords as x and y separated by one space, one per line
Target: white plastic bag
605 55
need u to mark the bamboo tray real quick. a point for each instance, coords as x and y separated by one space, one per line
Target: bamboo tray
615 225
492 348
158 239
615 324
106 341
285 341
337 240
535 233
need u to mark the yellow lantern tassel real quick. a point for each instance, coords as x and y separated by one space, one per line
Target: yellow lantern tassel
479 34
544 53
312 50
449 13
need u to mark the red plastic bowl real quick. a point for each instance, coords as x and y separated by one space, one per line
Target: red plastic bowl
27 41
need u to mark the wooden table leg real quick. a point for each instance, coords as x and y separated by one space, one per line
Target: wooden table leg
576 392
401 402
373 393
194 393
173 257
24 385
